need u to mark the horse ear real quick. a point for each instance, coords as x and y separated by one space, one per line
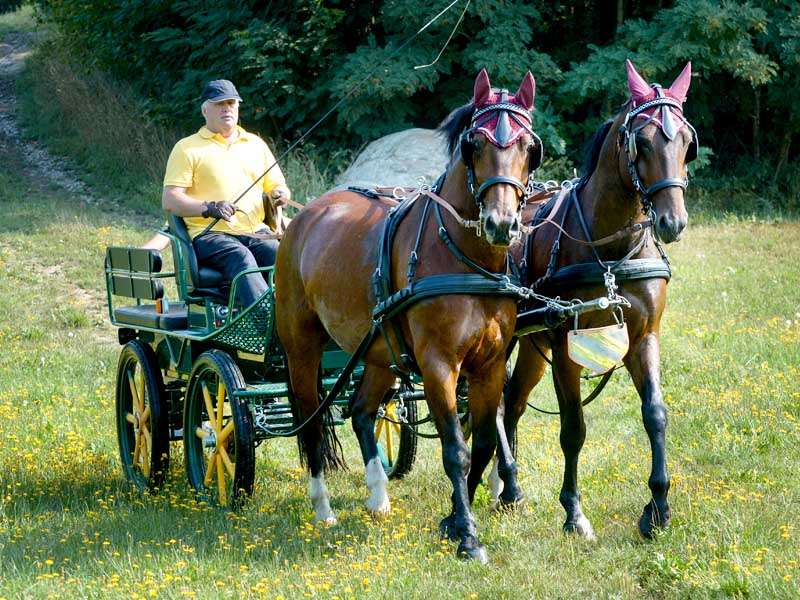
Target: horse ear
526 91
483 88
680 86
639 88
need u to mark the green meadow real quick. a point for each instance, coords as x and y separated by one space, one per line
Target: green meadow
70 527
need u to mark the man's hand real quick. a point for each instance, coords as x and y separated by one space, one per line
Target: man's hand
219 210
279 196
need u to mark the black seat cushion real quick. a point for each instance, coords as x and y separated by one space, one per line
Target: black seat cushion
145 315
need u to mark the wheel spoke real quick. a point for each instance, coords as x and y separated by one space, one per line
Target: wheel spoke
130 419
378 429
138 380
209 407
226 461
200 432
137 449
221 481
134 393
226 431
220 405
146 459
145 416
210 469
389 446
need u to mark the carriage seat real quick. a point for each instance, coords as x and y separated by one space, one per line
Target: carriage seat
135 273
200 280
145 315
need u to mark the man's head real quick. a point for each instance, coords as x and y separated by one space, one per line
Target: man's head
220 106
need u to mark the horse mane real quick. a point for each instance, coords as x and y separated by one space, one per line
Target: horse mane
593 151
454 125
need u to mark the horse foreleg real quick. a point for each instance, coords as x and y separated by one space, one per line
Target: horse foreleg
440 392
374 385
528 371
566 377
484 399
644 367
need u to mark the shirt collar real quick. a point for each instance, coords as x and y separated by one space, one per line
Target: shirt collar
207 134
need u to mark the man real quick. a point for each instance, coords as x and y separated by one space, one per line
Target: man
207 172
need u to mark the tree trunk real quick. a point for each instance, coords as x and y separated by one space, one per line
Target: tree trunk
783 155
757 123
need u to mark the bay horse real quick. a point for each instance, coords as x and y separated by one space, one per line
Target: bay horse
330 254
633 192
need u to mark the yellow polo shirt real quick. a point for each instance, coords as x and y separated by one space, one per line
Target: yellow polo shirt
210 170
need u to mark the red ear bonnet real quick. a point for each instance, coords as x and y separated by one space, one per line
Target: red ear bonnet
640 90
680 87
502 127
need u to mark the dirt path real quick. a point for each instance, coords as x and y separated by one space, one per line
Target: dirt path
39 165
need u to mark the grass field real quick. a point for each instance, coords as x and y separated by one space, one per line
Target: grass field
70 527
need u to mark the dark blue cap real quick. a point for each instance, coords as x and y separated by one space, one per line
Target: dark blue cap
219 90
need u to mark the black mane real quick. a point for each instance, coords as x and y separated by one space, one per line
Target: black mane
593 150
454 125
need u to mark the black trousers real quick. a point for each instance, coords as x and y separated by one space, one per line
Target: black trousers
232 254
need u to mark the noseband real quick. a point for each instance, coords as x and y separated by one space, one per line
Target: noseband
481 116
628 135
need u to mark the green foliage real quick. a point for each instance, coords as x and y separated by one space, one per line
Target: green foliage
294 61
7 6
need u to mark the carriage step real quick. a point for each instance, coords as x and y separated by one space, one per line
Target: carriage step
264 390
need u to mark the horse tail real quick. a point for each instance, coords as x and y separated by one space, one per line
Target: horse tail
318 438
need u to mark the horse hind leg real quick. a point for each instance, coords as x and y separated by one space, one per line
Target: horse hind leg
304 337
373 388
643 365
566 377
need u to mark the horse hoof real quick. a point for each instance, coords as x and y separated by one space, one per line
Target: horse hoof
447 528
580 527
473 550
379 509
327 521
653 519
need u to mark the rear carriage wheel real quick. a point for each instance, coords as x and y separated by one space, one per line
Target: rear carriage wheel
142 417
397 443
219 441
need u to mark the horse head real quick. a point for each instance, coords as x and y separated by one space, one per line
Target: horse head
656 143
500 151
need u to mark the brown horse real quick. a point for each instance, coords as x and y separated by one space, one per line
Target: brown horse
328 258
636 169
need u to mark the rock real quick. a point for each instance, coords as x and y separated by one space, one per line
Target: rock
5 49
399 159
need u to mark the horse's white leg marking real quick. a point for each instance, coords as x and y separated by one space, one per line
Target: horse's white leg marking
584 528
378 502
495 483
320 500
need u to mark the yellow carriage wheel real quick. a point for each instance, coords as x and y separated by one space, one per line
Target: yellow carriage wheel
218 440
397 443
141 415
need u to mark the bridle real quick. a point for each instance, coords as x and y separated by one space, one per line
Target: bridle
467 145
628 133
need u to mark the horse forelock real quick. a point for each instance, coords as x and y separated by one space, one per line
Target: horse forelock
454 125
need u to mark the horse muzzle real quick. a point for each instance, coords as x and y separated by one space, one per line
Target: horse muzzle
670 227
501 232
